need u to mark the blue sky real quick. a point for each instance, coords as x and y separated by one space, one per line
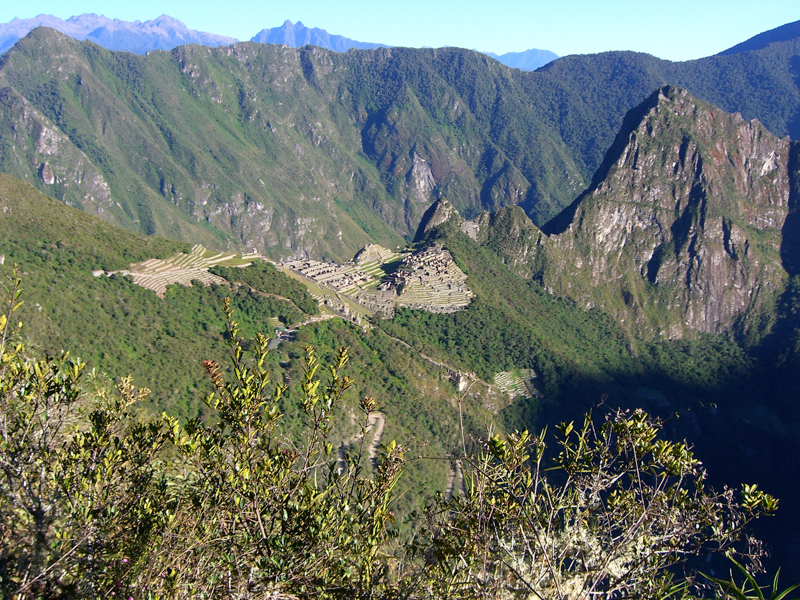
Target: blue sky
675 30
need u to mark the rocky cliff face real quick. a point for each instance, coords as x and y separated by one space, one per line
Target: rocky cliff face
32 146
681 230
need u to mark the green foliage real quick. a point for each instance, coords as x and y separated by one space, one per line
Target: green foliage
97 502
78 490
749 589
42 233
265 278
578 355
420 407
160 342
89 509
512 324
261 515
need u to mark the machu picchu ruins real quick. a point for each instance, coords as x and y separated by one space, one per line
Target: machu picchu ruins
430 280
379 280
375 282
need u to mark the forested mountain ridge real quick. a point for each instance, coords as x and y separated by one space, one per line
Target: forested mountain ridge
784 33
311 152
217 134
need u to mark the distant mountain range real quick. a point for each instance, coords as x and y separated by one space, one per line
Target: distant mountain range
297 35
166 33
529 60
163 33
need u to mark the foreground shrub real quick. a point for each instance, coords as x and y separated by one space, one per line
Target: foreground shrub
262 516
80 493
612 517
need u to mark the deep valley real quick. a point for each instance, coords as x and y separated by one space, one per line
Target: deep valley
497 248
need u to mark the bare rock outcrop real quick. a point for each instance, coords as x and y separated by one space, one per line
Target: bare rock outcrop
681 230
63 169
682 226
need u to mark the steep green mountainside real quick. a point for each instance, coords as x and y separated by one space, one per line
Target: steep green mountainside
187 141
588 95
688 230
119 328
304 152
578 356
310 152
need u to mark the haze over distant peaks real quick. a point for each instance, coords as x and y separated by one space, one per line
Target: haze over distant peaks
784 33
297 35
163 33
528 60
166 33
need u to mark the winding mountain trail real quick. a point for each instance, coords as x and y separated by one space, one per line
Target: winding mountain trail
377 422
276 296
451 370
424 356
317 319
311 318
455 481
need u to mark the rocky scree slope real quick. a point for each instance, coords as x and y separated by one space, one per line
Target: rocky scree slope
681 230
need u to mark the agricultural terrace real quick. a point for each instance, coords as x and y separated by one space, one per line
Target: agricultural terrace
430 280
156 274
518 382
